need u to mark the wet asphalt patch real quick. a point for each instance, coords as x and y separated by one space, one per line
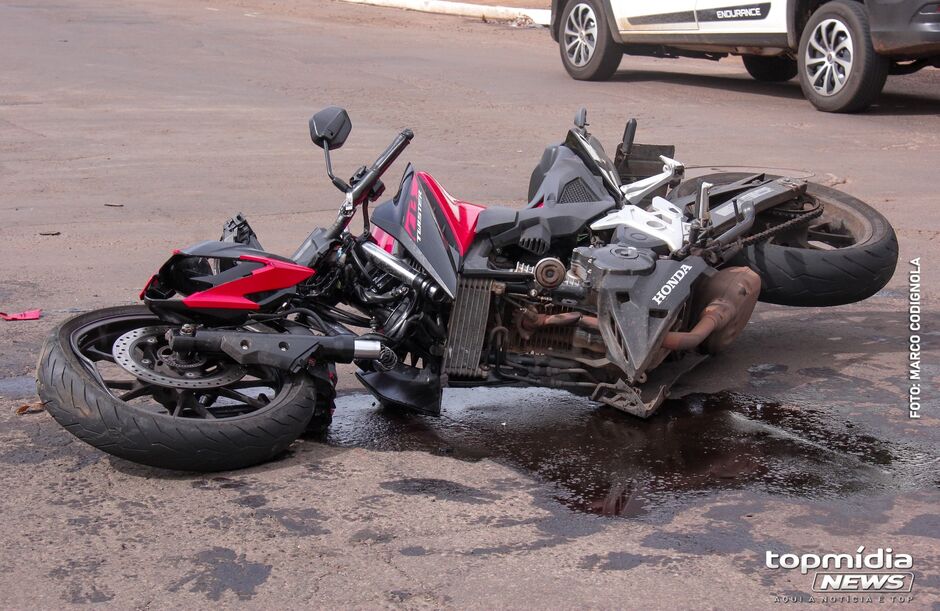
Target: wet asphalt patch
219 570
19 387
598 460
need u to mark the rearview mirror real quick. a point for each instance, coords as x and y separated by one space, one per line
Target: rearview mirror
330 127
580 119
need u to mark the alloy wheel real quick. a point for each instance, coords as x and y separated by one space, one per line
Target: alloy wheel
580 35
131 360
829 57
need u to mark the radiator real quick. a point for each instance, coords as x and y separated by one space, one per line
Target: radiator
468 328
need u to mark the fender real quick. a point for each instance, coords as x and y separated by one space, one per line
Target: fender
559 5
798 13
793 35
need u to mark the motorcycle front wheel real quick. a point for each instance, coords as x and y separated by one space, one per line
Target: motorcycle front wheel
845 255
110 379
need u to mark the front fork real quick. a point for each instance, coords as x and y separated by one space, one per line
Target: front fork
279 350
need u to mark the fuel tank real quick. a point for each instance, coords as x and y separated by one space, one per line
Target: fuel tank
432 227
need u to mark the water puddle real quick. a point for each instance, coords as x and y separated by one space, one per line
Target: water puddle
602 461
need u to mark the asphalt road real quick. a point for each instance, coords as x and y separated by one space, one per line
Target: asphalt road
130 128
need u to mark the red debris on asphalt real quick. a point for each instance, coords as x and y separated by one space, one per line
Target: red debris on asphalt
27 315
30 408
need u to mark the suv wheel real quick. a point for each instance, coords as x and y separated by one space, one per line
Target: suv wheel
776 69
588 50
839 69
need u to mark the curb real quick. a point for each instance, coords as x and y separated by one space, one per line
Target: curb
464 9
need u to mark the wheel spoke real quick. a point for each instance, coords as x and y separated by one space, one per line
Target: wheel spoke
121 384
181 402
202 410
582 18
226 411
827 237
96 352
262 383
237 396
817 47
814 77
834 34
140 391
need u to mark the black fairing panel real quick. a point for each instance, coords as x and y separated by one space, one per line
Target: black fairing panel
413 220
535 229
562 178
227 250
565 196
635 310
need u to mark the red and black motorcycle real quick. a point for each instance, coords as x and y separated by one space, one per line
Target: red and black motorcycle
615 279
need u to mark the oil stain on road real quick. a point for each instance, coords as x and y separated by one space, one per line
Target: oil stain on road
598 460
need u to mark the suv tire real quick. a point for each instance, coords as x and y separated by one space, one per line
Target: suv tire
839 69
770 69
588 50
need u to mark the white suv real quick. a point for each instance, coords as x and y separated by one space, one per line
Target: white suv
843 50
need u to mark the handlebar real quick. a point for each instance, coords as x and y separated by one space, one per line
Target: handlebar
361 190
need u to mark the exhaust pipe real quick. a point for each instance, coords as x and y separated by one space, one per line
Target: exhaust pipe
731 295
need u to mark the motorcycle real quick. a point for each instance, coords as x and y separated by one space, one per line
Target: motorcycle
616 278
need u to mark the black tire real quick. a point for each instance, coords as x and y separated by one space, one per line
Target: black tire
325 382
807 277
606 56
868 72
770 69
79 402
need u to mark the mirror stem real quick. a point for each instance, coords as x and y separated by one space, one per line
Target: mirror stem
340 184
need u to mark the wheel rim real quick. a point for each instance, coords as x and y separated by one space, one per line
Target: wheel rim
580 35
217 389
839 226
829 57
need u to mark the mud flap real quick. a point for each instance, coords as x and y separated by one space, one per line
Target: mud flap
645 400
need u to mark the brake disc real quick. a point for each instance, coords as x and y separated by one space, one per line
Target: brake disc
143 353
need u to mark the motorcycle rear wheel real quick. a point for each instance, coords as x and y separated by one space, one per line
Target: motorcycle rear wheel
846 255
216 428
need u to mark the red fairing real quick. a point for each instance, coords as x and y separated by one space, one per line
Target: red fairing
383 239
275 275
153 279
461 216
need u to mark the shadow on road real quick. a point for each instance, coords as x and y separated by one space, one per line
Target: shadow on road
887 104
